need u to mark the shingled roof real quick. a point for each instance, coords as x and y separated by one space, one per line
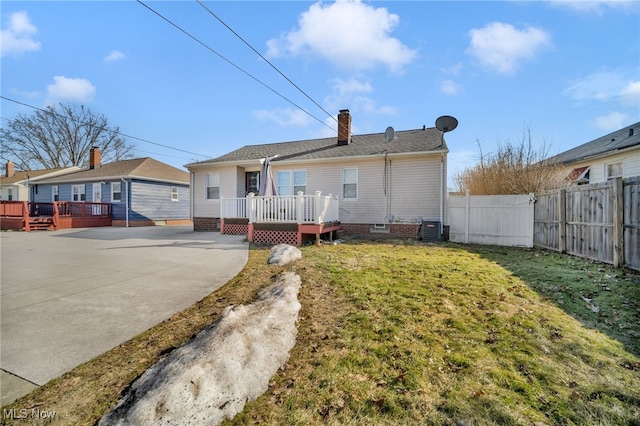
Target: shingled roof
624 138
423 140
24 175
138 168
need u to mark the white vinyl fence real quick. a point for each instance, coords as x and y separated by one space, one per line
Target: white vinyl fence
503 220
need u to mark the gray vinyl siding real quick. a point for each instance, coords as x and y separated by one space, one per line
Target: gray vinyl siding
152 201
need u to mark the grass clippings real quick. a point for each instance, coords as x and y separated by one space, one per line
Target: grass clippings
412 333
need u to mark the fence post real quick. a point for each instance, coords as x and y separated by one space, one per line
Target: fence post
56 215
467 210
618 223
317 210
562 221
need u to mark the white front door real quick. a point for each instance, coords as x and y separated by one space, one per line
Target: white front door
97 198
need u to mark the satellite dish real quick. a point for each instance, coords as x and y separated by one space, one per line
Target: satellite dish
446 123
389 134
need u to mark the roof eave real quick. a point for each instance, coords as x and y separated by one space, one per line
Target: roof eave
250 162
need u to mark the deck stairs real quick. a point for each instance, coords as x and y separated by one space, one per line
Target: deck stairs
41 223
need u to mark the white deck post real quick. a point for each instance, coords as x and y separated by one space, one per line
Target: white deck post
317 209
299 208
251 211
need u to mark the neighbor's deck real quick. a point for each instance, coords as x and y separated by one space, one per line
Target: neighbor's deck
289 219
27 216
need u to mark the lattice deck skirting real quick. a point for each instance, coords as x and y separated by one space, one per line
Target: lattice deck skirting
236 229
268 237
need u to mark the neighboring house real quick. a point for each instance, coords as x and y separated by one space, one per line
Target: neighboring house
140 191
614 155
22 185
382 188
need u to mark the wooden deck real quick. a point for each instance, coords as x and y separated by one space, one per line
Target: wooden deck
27 216
276 219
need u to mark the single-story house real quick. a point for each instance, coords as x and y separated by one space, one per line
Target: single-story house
614 155
139 192
19 185
373 187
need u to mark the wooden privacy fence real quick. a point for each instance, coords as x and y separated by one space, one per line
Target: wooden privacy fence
598 221
504 220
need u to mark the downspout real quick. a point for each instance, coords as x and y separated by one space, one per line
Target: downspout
441 194
126 203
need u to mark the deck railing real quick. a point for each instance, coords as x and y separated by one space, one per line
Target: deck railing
72 209
299 208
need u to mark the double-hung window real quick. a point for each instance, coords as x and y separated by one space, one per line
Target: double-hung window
174 193
55 193
292 182
78 193
350 183
213 186
116 192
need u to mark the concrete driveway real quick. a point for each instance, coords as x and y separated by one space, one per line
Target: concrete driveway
70 295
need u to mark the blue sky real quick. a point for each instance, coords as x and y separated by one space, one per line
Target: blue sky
569 72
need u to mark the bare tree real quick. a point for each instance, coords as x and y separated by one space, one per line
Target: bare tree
514 168
60 136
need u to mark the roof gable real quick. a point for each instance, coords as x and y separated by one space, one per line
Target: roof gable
407 141
624 138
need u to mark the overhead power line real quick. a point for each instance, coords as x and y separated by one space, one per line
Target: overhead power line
266 60
197 40
117 132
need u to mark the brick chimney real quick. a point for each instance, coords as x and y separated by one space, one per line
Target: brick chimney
95 156
344 127
10 171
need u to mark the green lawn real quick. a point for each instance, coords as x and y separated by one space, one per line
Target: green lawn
412 333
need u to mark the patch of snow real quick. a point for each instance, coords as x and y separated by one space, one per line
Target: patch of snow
210 378
283 254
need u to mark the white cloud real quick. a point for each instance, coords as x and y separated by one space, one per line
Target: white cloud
618 85
612 121
351 93
452 70
70 89
115 55
17 38
287 117
450 87
347 33
502 47
630 94
594 6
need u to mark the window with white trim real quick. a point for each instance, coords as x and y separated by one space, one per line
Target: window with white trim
614 170
213 186
116 192
78 193
10 194
290 182
55 193
350 183
174 193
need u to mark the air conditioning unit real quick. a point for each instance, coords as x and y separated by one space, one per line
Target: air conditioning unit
431 231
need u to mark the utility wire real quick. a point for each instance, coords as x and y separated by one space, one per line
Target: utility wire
185 32
266 60
117 132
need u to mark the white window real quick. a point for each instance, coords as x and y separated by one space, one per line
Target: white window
292 182
350 183
174 193
78 193
116 192
614 170
55 193
10 194
213 186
